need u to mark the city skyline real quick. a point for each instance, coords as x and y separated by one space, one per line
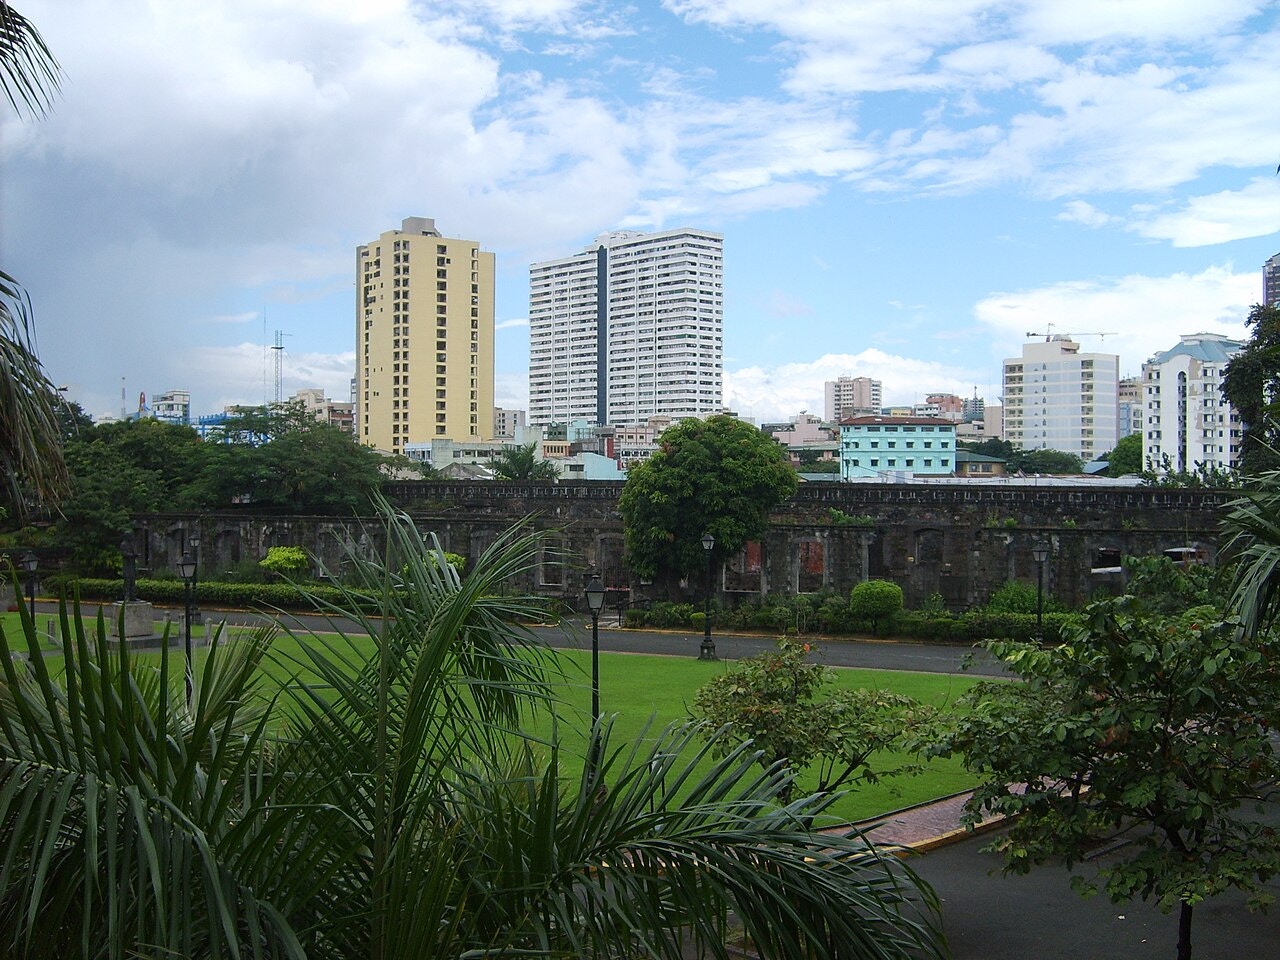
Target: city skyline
903 195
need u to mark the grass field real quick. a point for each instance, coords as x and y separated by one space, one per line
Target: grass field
638 690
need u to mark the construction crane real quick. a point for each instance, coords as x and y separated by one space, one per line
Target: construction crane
1049 334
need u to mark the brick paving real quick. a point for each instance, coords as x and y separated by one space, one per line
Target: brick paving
925 825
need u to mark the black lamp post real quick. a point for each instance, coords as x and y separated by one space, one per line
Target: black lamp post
194 542
1040 551
29 564
708 649
187 570
595 603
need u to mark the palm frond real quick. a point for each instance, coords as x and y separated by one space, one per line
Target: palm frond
28 70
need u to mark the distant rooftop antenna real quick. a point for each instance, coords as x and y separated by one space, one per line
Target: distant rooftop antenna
279 358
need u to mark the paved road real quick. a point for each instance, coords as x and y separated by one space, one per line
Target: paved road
988 916
576 633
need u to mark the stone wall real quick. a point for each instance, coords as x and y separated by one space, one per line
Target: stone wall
960 541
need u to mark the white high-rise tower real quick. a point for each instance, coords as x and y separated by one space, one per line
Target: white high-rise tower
628 329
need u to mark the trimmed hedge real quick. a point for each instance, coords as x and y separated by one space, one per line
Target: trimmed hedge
247 595
831 616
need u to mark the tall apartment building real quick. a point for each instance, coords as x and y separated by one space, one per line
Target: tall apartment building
1271 281
1187 417
851 397
424 338
629 329
1057 398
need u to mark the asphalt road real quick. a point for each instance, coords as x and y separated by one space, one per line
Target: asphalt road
988 916
576 633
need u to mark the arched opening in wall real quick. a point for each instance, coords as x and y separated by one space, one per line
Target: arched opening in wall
609 566
227 546
742 571
1106 560
552 560
929 547
811 566
877 568
175 543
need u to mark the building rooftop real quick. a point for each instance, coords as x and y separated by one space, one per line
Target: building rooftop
1206 347
867 421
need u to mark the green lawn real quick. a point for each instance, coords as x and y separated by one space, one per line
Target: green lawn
636 689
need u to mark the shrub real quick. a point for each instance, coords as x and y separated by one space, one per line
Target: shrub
285 561
875 600
1019 596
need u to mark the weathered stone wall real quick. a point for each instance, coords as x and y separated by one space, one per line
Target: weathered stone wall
960 541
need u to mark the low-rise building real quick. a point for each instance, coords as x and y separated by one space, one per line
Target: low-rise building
879 447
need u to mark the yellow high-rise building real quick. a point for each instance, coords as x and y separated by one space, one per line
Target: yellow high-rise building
424 338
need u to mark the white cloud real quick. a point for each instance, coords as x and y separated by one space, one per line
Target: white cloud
1080 211
778 393
1141 314
1219 217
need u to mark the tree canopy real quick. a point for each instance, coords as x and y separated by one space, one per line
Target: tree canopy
1151 726
293 464
1125 457
1251 385
720 476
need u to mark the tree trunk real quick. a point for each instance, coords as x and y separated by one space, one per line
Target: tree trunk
1184 932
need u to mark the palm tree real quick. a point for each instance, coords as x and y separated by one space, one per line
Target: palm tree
387 800
522 463
1251 534
30 442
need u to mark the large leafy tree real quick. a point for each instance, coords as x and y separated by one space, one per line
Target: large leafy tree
720 476
30 451
1156 729
388 802
1251 385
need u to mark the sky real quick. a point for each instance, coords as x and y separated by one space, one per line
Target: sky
908 189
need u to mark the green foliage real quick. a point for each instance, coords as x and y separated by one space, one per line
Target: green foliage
1251 535
521 462
1166 588
719 475
1200 477
285 561
388 802
1154 727
1019 596
875 600
1125 457
1251 385
841 519
1045 462
780 703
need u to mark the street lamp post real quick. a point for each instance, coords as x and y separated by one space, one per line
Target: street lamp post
1040 551
187 570
29 564
708 649
595 603
195 576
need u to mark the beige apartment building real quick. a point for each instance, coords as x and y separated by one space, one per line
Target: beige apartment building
424 338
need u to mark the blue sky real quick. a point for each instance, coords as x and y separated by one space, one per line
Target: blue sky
906 187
